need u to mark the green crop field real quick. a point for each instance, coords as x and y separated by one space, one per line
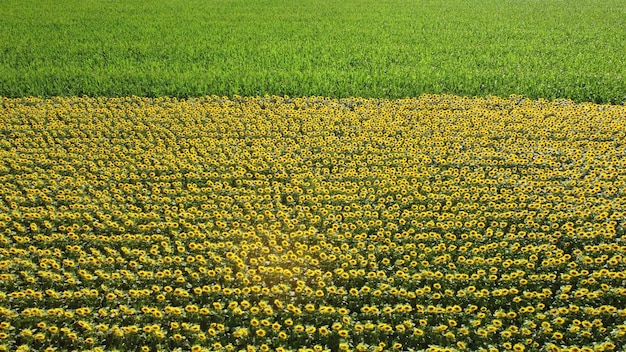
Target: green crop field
366 48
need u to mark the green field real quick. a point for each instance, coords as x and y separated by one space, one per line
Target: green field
367 48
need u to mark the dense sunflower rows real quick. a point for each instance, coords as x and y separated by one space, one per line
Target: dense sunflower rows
311 224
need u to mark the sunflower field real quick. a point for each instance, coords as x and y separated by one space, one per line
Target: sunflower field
311 224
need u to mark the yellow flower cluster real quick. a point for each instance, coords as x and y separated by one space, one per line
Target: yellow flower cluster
439 223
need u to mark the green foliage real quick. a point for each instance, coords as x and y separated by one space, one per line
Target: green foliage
371 48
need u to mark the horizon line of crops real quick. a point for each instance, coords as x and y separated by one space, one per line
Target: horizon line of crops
366 48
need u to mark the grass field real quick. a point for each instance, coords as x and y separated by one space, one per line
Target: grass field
365 48
312 224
